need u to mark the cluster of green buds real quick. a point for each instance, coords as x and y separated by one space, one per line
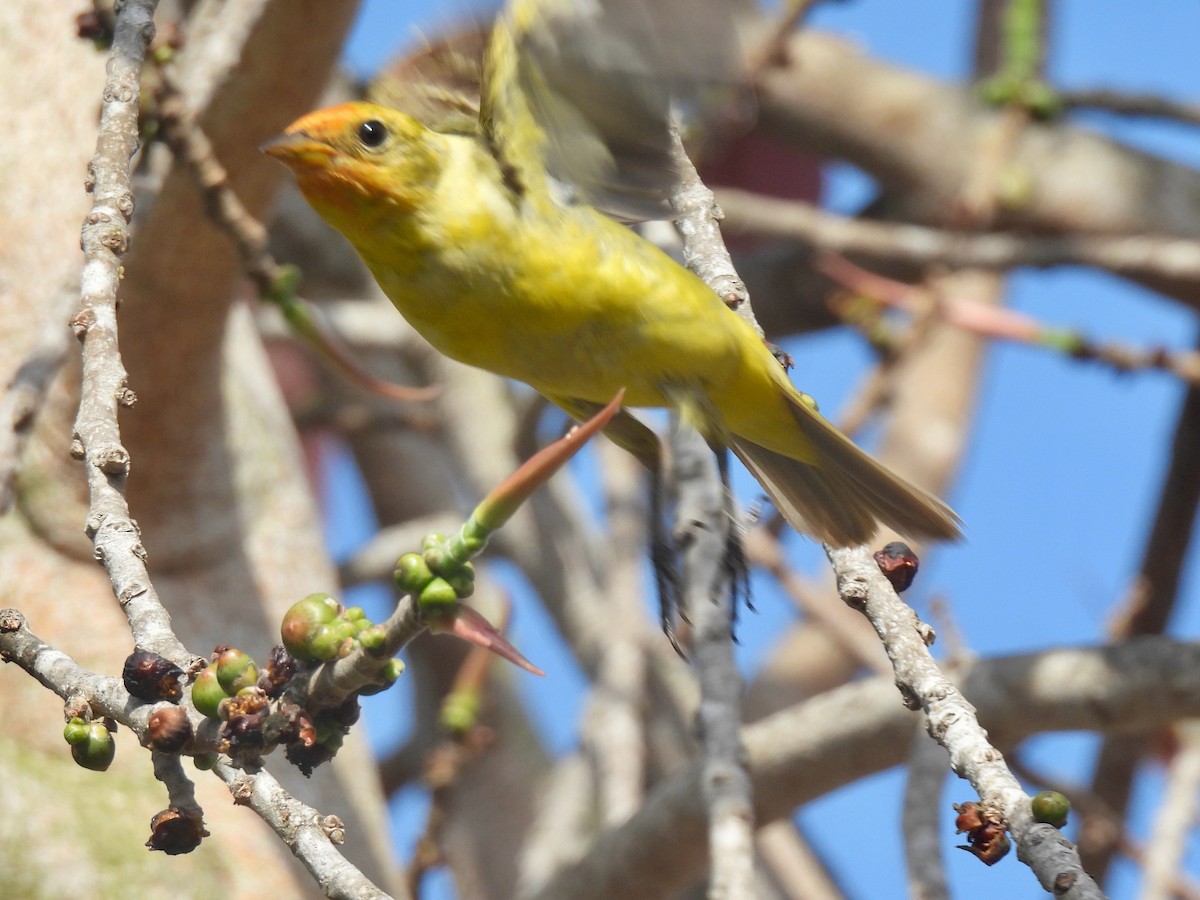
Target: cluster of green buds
256 715
230 673
441 574
319 629
92 744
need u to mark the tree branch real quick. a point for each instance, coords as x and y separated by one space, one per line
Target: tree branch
703 535
105 238
696 217
707 534
309 836
953 723
1126 104
1138 256
921 820
59 673
331 683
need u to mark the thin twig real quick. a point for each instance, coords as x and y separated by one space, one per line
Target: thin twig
105 697
56 671
22 398
1097 815
105 239
191 146
955 650
872 397
1005 324
181 792
442 767
953 723
1156 590
463 739
187 141
982 190
1139 255
1010 61
1150 105
774 45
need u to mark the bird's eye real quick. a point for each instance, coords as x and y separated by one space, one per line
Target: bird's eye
372 133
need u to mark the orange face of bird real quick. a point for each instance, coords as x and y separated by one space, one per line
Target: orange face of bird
350 158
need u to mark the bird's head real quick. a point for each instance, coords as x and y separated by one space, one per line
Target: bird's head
359 161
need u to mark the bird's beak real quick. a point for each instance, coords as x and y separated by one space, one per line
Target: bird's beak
297 149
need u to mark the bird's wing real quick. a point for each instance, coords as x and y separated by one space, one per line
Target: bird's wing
585 90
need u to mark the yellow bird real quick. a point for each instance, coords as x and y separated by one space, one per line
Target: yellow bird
475 245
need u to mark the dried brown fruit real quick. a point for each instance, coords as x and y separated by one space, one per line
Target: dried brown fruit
174 831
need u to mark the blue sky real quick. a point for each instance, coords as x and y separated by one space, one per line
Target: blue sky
1064 466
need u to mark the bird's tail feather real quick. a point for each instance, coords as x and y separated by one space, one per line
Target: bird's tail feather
841 500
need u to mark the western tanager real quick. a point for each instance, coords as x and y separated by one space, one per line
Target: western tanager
497 267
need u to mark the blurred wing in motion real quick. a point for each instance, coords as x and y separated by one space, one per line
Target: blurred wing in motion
585 90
